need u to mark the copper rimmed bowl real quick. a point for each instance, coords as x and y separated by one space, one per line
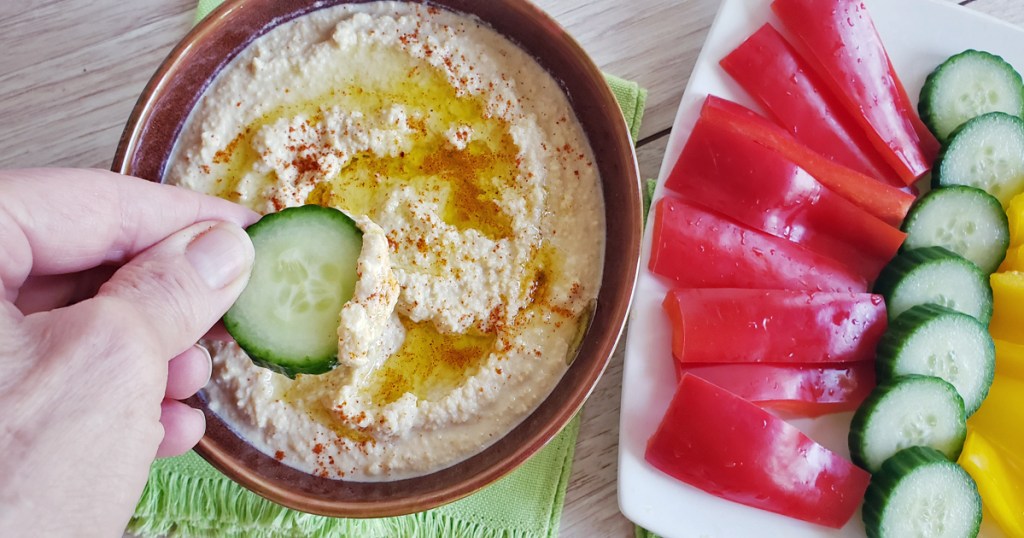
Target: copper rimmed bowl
146 146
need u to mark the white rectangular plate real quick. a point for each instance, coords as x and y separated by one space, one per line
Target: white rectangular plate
918 34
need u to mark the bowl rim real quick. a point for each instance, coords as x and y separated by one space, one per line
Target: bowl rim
621 300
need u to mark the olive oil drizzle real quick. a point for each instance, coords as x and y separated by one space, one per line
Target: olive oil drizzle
466 182
429 364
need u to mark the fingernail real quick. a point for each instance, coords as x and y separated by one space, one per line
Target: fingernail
208 363
220 255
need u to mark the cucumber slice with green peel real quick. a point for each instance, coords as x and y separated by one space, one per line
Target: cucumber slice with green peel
936 341
918 493
987 152
968 85
935 275
287 317
906 411
965 220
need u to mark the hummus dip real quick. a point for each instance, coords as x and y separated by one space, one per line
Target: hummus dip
460 158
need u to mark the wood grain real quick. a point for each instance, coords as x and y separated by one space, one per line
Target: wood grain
1011 11
654 42
71 70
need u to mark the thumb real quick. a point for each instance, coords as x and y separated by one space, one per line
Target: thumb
177 289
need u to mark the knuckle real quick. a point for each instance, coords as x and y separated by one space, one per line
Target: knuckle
106 334
107 321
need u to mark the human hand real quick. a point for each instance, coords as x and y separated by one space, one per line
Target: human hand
108 282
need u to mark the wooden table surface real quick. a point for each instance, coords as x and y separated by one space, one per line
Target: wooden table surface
71 70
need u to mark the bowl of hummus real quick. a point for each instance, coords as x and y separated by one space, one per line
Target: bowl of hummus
491 173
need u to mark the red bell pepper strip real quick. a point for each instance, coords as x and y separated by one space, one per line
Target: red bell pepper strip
803 390
886 202
698 248
729 447
845 49
772 72
930 145
723 170
722 325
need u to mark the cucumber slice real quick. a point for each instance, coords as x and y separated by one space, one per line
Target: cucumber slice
967 85
934 275
287 317
919 494
965 220
905 411
934 340
986 152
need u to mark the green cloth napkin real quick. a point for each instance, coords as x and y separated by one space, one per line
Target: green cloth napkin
185 496
640 532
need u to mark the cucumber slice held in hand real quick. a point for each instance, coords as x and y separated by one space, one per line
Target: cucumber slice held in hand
287 317
968 85
987 152
918 492
965 220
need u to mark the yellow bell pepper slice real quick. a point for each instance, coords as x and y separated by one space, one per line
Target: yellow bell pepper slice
1007 306
1000 482
1014 260
1009 359
1015 215
1001 415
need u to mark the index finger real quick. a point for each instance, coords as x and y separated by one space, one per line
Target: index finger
55 221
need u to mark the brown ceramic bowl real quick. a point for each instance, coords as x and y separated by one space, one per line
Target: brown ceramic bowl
146 145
